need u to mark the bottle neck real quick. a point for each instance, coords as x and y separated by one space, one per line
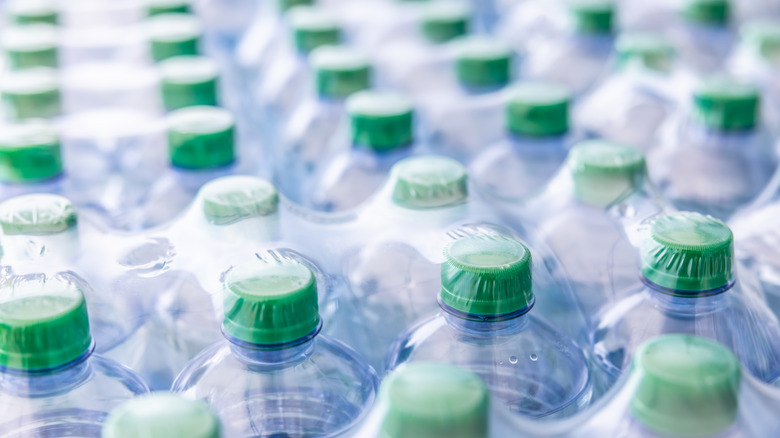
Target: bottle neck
687 302
270 357
49 382
256 229
472 327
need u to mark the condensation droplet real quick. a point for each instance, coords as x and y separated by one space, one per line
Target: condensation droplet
513 359
534 357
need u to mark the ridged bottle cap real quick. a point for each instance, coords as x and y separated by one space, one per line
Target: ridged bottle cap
29 152
381 121
37 214
33 11
653 51
708 12
538 109
429 182
726 104
285 5
593 17
688 252
31 45
159 7
340 71
443 21
604 171
435 400
201 137
231 199
486 276
31 93
764 37
162 415
174 35
270 302
43 324
189 81
483 62
313 27
688 386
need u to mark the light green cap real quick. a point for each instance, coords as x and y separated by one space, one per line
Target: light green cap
188 81
161 415
201 137
231 199
43 324
31 93
286 5
429 182
538 109
271 302
443 21
159 7
174 35
649 50
486 276
483 62
764 37
313 27
29 152
381 121
726 104
603 172
708 12
688 386
31 45
33 11
435 400
593 17
37 214
688 252
340 71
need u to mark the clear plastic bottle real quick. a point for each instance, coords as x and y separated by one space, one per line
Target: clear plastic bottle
718 156
273 374
162 415
535 143
488 327
689 286
51 383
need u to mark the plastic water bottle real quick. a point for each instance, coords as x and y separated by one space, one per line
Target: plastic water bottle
308 137
432 400
382 133
689 286
487 327
274 375
163 415
535 143
718 157
704 36
51 382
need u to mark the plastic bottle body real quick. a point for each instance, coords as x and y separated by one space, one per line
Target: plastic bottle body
574 61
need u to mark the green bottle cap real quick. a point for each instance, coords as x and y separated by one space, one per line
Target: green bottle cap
189 81
340 71
174 35
429 182
285 5
708 12
31 45
313 27
231 199
159 7
483 62
593 17
604 172
726 104
487 276
29 153
435 400
538 110
688 386
201 137
271 302
443 21
37 214
31 93
649 50
381 121
688 252
162 415
43 324
763 37
33 11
